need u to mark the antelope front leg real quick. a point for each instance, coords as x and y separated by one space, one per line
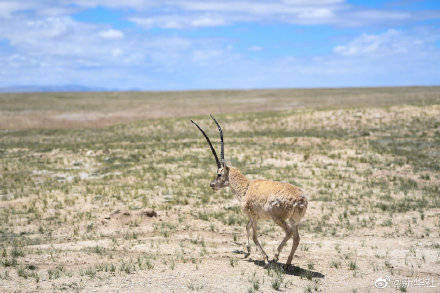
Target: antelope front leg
248 234
254 237
296 239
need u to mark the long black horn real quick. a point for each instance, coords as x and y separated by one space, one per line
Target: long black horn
222 149
210 144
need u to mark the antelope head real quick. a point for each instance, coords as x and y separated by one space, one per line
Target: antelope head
221 179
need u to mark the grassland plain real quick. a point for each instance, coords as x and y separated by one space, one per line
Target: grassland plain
73 110
73 200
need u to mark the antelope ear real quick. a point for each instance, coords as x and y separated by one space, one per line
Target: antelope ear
225 167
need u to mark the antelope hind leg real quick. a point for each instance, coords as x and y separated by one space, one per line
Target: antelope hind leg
289 233
295 243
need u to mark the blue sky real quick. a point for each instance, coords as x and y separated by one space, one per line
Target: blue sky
204 44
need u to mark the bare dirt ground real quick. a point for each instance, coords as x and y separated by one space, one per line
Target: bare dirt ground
75 203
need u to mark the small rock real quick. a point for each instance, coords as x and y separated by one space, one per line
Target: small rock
149 213
115 212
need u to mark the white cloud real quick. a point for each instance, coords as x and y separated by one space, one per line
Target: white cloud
209 14
255 48
62 41
7 8
111 34
134 4
117 52
206 56
208 21
312 2
295 11
179 21
390 42
61 50
178 14
241 10
383 15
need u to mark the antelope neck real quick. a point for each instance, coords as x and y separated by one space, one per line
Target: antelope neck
238 182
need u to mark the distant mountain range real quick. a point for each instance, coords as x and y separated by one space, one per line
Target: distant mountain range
50 88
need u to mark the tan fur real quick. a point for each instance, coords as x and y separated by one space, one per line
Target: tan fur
265 199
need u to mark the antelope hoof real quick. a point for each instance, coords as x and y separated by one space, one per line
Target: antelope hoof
266 259
248 249
288 264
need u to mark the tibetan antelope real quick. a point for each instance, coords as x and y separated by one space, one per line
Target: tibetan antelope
282 202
